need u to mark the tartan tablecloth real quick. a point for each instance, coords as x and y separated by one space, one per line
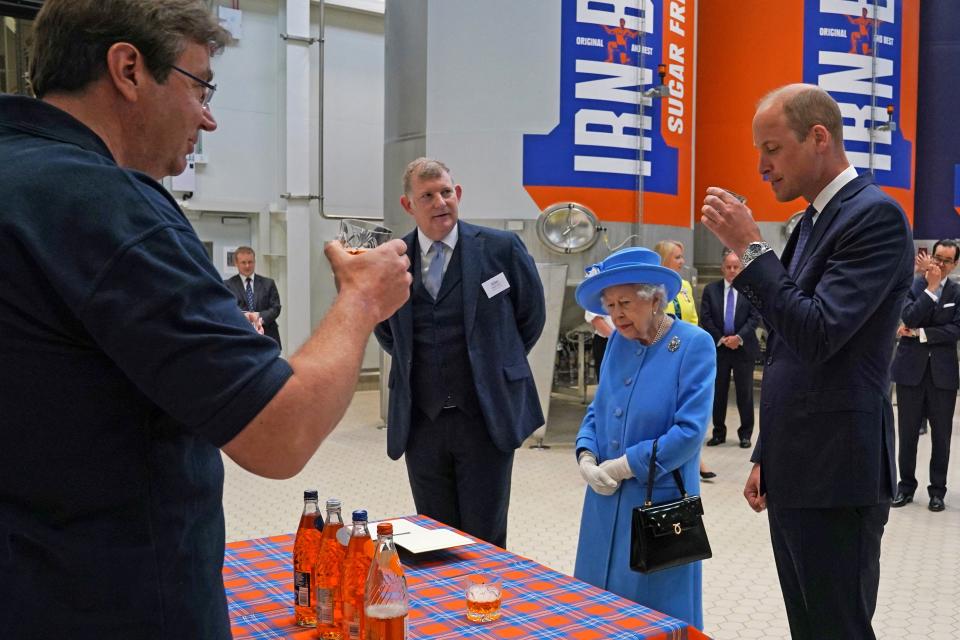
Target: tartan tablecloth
538 602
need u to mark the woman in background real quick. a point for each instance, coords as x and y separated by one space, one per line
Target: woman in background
683 307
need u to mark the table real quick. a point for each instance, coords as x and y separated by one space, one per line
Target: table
538 602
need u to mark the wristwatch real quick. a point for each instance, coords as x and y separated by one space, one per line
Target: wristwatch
754 250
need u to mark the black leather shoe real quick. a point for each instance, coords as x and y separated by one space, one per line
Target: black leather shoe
706 475
936 504
714 441
744 444
903 499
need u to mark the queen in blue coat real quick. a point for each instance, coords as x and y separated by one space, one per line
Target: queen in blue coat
656 383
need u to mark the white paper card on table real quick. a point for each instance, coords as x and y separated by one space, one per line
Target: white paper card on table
417 539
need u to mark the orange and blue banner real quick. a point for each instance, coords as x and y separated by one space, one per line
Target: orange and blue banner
611 142
858 59
866 62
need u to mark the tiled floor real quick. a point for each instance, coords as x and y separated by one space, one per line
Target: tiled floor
920 568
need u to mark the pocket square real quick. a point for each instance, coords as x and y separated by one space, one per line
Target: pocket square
949 304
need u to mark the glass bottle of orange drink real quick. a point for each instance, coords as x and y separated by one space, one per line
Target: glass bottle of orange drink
326 575
354 577
305 549
386 599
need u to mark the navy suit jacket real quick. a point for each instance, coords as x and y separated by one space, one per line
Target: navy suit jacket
745 319
826 421
266 300
940 322
500 331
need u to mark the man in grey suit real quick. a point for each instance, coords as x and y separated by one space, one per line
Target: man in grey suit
462 396
823 462
257 295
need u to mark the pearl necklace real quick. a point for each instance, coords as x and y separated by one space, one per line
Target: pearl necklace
656 338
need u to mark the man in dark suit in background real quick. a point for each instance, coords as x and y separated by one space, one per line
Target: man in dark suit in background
732 321
824 459
462 396
256 294
926 373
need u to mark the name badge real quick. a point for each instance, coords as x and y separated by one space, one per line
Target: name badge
496 284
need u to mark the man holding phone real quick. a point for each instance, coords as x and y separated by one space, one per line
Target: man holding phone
925 370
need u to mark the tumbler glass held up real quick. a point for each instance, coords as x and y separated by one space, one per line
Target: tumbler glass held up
359 235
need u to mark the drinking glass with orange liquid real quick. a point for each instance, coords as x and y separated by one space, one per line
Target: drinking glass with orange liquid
483 593
357 236
326 575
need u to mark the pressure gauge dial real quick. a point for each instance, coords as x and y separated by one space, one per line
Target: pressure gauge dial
568 228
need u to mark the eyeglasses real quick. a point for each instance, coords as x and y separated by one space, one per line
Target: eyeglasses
208 89
944 261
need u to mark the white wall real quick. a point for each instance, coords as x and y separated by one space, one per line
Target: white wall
244 171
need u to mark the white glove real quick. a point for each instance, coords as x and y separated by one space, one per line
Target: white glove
618 468
595 476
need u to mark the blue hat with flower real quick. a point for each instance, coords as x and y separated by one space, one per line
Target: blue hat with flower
633 265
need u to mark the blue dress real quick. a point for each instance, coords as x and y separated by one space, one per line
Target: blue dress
662 391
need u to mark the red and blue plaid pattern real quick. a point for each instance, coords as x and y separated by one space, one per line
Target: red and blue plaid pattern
537 602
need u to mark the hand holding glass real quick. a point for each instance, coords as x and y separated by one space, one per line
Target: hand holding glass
359 235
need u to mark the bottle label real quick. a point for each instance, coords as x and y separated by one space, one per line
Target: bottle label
324 606
301 588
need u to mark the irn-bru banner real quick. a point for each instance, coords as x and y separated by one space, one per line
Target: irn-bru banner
611 143
864 53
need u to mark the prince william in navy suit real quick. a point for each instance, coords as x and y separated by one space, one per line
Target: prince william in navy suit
824 459
462 396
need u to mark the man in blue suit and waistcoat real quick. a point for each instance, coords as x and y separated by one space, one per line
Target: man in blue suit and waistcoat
824 459
732 322
462 396
925 370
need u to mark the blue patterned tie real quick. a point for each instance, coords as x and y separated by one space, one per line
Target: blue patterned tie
435 272
728 329
806 228
249 291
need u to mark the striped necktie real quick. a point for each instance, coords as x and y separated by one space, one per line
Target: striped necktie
249 292
806 228
728 329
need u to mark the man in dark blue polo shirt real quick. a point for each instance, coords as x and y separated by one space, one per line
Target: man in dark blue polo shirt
127 363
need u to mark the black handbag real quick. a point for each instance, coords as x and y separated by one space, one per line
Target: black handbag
667 534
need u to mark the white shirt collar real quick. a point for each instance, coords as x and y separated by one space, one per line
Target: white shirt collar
252 277
450 240
825 196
